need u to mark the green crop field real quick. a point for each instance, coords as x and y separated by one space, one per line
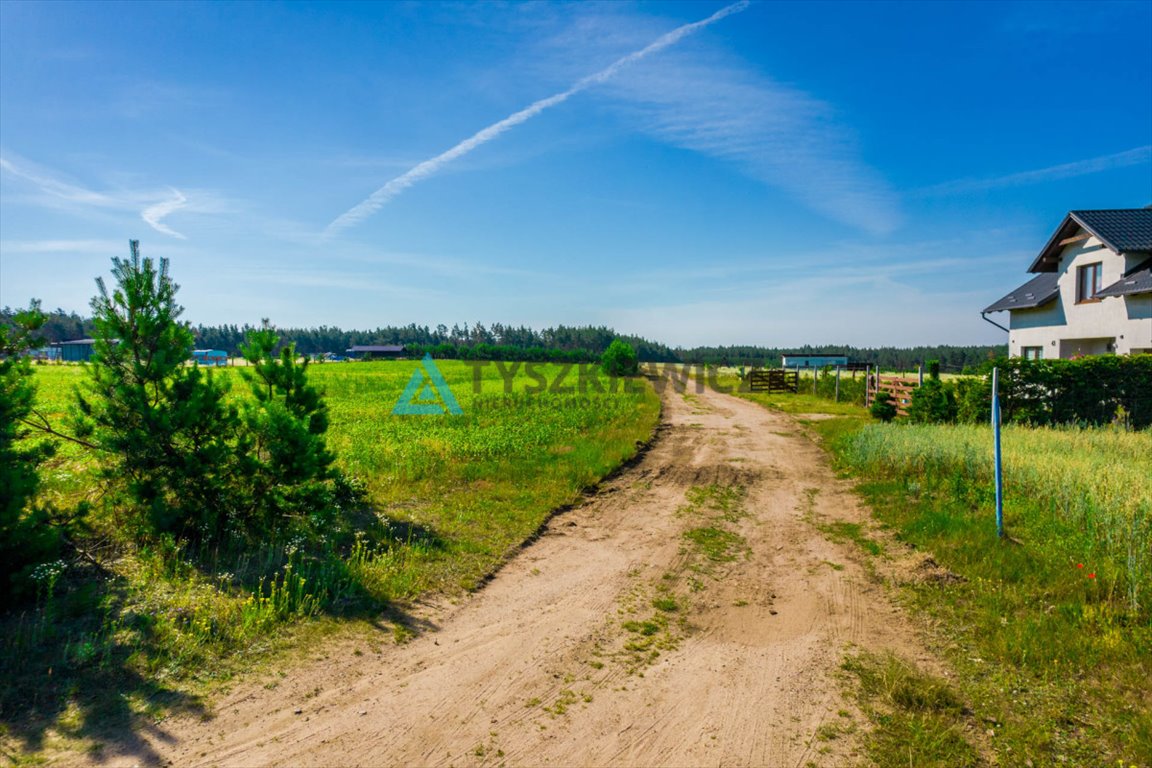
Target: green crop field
1092 487
482 480
455 494
1050 631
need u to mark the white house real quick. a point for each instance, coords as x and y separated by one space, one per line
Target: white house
1092 293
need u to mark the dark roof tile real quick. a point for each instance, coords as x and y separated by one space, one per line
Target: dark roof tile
1035 293
1124 230
1137 280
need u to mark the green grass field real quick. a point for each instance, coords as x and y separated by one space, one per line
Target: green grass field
1050 632
1085 493
457 495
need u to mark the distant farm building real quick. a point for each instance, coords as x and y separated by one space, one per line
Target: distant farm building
813 361
75 351
214 357
376 351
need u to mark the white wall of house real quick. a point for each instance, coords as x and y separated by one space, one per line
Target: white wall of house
1064 328
1140 317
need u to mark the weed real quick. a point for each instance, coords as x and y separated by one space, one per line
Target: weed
919 718
646 628
565 699
726 501
716 544
401 634
853 532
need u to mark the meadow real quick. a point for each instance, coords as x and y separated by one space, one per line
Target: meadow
1085 493
1049 631
137 630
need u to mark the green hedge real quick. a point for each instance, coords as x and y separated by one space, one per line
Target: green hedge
1044 392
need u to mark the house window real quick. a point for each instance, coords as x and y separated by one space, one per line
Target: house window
1032 353
1088 282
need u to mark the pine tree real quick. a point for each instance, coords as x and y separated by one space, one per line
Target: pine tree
164 425
26 538
287 464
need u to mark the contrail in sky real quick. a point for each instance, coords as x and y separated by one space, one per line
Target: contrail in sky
428 167
154 215
1137 156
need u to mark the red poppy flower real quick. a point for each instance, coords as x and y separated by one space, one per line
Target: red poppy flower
1091 575
1079 565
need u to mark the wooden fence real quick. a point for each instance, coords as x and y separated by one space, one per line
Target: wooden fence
900 389
774 381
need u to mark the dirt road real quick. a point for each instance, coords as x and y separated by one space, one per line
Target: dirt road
691 613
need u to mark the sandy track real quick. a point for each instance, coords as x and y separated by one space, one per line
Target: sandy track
534 668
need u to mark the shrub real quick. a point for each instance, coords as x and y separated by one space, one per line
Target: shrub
286 464
974 399
619 359
1046 392
933 402
883 408
851 387
26 537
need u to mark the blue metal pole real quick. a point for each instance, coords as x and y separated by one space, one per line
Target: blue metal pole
996 440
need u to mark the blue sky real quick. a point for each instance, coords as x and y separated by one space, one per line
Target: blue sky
775 173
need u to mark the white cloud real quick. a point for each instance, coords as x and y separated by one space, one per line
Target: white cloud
431 166
53 185
703 101
67 247
704 98
154 215
56 191
773 133
1137 156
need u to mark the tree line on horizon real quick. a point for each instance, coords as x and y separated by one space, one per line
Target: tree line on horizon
561 343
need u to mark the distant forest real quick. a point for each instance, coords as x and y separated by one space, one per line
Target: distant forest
562 343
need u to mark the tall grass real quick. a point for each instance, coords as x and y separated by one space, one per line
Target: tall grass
1094 484
1049 633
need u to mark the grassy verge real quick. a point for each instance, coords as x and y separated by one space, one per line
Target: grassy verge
917 718
139 632
1049 634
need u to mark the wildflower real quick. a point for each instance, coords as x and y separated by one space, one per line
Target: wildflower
1091 575
48 572
1079 565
